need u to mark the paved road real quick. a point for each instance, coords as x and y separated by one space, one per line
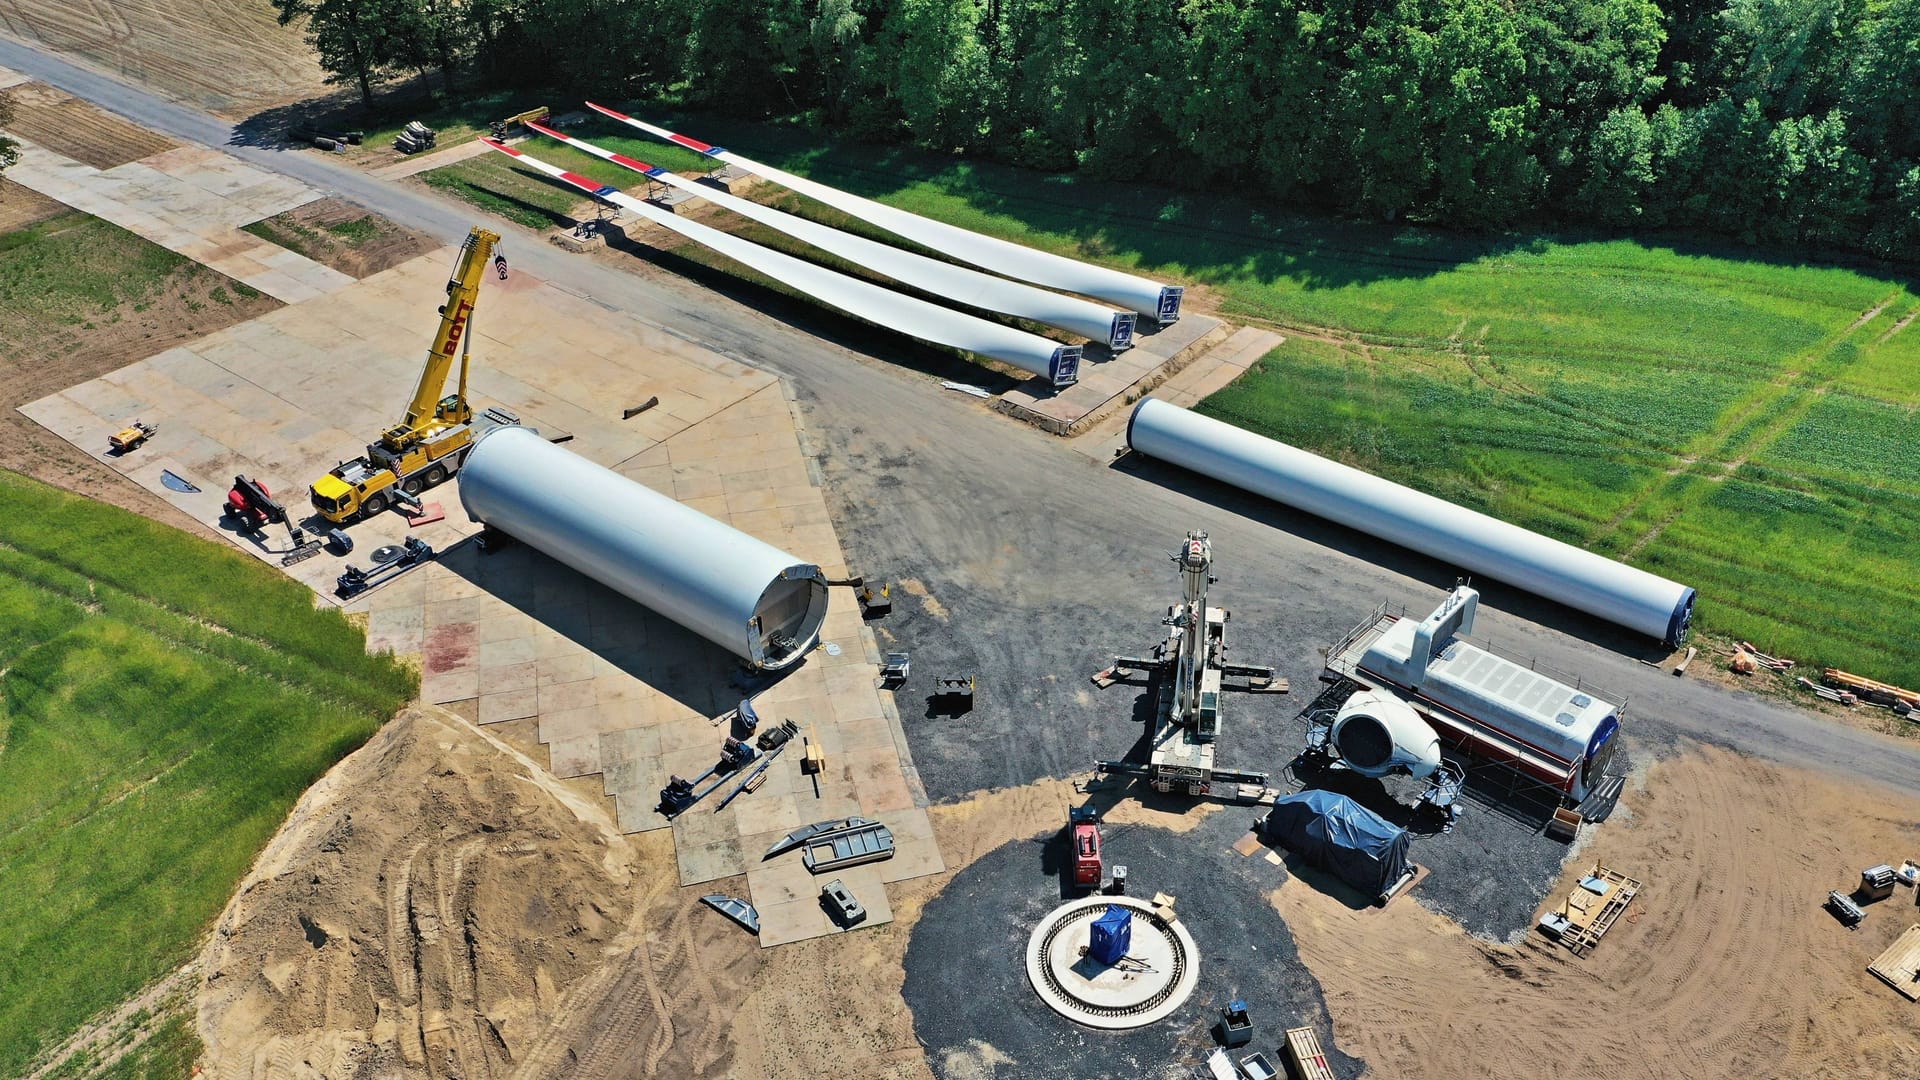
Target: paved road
1039 561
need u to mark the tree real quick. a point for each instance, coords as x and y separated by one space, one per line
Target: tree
933 59
1261 79
1787 55
429 36
1882 89
1619 168
1586 60
358 41
1439 113
1820 183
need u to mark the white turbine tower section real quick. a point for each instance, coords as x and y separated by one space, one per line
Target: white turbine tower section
1150 298
882 307
1453 534
957 283
749 597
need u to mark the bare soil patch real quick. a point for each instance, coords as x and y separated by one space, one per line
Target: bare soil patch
23 206
225 55
1725 966
651 984
347 238
104 299
78 129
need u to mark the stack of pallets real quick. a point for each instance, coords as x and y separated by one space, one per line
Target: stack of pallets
1899 966
1590 916
1304 1057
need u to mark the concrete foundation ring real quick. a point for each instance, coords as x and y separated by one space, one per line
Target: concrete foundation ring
1155 977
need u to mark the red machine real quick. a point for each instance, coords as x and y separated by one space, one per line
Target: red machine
1083 828
253 506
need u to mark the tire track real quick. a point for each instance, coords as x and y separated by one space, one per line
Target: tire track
400 938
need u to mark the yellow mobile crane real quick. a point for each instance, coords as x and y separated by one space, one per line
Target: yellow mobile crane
430 442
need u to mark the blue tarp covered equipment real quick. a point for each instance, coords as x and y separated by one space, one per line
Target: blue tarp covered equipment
1342 837
1112 935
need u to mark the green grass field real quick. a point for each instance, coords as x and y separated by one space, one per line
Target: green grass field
1731 421
77 293
164 702
1736 423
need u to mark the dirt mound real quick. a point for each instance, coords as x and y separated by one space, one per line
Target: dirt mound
1725 966
423 912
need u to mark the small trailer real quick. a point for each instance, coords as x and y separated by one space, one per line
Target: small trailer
129 439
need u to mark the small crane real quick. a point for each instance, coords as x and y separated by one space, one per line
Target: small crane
1190 668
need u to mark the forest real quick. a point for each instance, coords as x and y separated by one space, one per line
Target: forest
1786 123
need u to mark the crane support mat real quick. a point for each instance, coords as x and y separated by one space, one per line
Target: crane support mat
429 513
1900 964
852 845
1594 906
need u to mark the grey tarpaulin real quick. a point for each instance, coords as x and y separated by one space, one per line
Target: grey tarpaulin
1342 837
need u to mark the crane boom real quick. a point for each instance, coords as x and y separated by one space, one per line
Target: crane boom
427 411
1189 672
431 441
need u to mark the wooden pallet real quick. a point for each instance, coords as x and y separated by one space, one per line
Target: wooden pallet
1900 964
1592 916
1303 1057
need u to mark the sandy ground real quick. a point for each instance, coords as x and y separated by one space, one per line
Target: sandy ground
78 129
651 984
423 911
1726 966
224 55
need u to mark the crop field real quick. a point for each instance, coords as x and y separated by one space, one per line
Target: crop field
225 55
164 701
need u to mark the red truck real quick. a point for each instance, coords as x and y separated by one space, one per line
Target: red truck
1083 829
